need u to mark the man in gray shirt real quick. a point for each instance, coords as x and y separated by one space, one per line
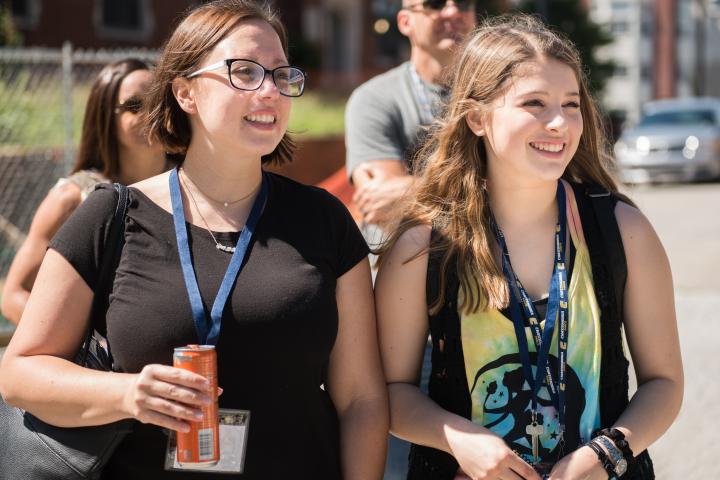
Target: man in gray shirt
386 116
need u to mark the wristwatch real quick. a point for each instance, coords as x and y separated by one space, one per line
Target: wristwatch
616 455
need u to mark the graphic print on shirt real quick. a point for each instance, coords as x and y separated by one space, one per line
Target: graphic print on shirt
501 397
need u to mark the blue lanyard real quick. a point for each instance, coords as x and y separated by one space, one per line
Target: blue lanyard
426 115
557 310
198 311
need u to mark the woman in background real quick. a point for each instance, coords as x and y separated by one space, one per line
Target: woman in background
112 149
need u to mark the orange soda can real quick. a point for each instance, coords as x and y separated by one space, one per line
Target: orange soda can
201 445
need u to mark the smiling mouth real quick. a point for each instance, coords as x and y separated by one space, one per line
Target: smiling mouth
548 147
261 119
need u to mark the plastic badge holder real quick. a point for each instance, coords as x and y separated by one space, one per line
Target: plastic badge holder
233 443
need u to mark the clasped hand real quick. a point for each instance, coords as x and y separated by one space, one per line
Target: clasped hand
483 455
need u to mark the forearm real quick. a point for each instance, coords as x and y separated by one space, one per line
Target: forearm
62 393
363 431
651 411
13 304
417 419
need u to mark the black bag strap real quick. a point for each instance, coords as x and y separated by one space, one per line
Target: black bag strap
603 203
110 259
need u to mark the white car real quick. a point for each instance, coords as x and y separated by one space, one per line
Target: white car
675 140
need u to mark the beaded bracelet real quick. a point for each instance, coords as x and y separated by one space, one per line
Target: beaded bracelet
604 460
618 439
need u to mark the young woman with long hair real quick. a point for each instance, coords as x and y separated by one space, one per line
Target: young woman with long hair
293 324
499 257
112 149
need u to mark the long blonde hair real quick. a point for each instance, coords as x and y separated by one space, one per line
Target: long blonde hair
451 168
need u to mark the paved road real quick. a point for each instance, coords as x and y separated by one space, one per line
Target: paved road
687 220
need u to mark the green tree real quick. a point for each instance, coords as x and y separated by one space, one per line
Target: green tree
9 36
571 18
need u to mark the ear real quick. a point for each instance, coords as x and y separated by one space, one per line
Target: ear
476 122
404 22
184 94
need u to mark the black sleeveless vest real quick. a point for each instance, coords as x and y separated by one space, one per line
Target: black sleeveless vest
447 384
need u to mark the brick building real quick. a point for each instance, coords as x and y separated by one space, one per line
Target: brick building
333 38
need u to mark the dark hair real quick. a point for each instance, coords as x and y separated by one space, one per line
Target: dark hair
98 141
198 32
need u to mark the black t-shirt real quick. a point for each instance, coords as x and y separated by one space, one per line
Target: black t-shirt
278 327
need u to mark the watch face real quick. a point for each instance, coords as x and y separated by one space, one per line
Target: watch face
621 467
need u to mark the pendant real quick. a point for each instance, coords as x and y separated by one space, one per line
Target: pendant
534 429
225 204
225 248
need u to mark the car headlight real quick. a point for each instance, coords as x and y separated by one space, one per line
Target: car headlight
691 146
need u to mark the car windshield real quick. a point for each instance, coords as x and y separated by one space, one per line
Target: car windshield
680 117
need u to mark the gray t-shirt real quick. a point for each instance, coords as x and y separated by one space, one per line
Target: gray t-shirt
384 116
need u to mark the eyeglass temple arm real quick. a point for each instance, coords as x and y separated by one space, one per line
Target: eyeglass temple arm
207 69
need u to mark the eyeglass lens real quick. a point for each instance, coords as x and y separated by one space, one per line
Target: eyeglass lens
462 5
247 75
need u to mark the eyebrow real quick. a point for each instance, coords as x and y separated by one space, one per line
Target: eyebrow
543 92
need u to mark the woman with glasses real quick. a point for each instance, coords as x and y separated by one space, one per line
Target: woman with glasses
295 333
112 149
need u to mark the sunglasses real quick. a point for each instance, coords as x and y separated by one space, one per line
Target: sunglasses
132 105
437 5
249 75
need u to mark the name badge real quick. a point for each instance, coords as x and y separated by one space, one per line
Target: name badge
234 426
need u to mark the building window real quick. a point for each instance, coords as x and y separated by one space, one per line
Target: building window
130 20
25 12
20 8
125 15
620 70
619 27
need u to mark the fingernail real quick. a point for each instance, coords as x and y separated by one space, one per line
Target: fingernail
185 428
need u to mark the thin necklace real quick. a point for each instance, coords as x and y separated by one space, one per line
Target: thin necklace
224 203
218 245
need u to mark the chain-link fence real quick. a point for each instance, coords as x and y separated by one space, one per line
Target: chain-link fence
42 100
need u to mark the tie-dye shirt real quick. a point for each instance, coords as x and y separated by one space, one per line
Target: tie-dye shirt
501 397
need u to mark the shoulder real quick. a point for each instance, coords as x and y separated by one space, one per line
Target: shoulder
67 196
635 229
644 252
383 87
403 267
294 194
411 244
156 190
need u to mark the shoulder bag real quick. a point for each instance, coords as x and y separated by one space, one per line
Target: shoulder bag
33 449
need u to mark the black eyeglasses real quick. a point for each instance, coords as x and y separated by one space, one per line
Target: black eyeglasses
462 5
132 105
249 75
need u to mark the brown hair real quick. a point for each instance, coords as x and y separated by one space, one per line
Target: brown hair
197 33
449 194
98 140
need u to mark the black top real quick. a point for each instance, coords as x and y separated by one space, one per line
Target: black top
278 327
